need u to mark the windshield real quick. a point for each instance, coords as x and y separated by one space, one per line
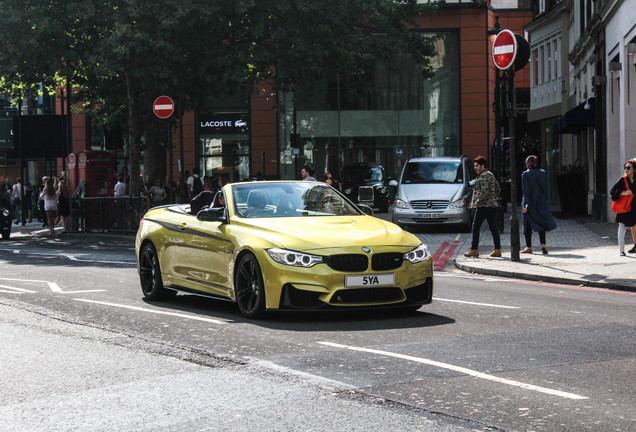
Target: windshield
433 172
362 174
289 199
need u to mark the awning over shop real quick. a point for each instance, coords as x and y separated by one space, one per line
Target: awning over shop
578 118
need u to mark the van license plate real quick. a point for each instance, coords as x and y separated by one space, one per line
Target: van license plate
428 215
370 280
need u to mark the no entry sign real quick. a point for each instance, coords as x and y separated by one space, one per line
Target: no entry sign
504 49
163 107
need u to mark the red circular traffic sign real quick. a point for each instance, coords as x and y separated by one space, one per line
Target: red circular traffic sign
163 107
504 49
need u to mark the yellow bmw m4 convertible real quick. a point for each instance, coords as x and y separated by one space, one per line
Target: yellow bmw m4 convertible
282 245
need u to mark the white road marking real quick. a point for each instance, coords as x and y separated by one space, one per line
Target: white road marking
140 309
52 285
24 280
477 304
75 258
459 369
56 289
14 290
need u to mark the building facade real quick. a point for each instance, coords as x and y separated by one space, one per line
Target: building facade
397 114
582 94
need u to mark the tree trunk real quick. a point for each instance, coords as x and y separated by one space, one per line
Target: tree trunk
134 140
155 155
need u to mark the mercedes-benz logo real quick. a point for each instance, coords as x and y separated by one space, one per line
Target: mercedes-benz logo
366 250
428 204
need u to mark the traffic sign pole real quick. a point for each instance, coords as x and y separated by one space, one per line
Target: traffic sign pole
504 54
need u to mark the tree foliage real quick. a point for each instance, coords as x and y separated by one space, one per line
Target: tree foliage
122 54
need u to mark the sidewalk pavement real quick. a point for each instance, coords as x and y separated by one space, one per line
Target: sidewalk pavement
582 252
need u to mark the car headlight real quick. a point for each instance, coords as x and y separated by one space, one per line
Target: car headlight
418 254
5 213
348 191
460 203
382 190
296 259
401 204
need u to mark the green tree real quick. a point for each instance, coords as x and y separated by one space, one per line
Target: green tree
124 53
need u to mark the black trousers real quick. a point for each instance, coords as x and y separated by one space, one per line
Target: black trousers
488 214
528 236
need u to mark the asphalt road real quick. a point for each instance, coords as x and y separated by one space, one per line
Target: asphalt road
488 354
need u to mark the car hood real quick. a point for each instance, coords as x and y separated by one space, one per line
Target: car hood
327 232
431 191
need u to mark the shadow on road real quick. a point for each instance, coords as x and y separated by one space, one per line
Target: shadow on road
307 321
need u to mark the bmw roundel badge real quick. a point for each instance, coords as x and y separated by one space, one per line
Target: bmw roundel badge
366 250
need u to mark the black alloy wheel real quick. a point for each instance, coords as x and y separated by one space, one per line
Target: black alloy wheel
150 275
249 287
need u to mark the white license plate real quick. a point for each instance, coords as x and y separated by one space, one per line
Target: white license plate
428 215
370 280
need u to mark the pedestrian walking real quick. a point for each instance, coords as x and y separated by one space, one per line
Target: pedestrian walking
486 189
331 181
49 196
194 183
535 214
624 189
28 202
63 203
16 199
307 173
41 210
157 194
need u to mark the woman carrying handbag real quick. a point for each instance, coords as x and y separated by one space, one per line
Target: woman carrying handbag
621 193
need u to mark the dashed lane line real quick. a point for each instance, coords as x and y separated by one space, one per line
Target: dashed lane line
459 369
476 304
15 290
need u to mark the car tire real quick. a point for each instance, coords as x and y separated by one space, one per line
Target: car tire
150 275
249 287
6 235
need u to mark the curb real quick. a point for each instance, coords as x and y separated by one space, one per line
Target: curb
540 278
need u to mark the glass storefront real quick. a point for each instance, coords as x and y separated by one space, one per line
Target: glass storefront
224 147
384 115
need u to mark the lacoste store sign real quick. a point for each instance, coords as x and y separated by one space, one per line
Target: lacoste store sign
223 123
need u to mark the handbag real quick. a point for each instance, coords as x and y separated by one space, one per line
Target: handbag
624 203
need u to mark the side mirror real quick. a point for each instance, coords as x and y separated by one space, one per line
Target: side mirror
393 182
215 214
366 209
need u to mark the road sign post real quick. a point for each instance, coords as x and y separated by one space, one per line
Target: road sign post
510 52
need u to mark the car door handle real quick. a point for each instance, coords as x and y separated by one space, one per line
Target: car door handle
183 226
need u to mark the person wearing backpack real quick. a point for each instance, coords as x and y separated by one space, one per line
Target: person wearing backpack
194 183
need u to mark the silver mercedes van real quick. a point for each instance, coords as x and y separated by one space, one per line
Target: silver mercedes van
434 190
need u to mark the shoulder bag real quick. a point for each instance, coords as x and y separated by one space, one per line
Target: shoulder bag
624 203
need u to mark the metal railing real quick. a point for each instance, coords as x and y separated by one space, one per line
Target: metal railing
108 214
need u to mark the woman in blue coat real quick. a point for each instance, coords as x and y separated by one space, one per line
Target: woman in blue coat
536 215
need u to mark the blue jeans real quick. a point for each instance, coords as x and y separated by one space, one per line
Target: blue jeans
489 214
